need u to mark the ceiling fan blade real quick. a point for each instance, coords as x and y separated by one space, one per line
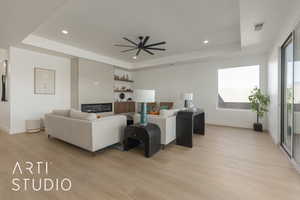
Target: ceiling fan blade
129 50
148 51
121 45
145 40
159 49
130 41
155 44
138 52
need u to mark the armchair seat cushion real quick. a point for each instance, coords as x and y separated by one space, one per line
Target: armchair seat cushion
166 121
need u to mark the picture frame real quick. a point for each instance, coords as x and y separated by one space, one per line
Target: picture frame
4 72
44 81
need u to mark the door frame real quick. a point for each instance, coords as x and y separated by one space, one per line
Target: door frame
289 40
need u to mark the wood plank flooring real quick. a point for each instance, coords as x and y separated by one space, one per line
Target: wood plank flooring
226 164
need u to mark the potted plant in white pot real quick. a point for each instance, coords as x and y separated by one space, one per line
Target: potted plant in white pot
259 104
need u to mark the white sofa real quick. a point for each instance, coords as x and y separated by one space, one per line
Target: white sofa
166 121
84 129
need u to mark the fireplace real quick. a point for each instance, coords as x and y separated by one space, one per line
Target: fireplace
96 108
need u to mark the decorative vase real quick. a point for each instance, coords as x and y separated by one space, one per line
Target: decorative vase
144 119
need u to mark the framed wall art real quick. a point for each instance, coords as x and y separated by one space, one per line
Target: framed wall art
4 80
44 81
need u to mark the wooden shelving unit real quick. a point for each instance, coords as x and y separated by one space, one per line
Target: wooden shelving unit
123 84
129 91
128 81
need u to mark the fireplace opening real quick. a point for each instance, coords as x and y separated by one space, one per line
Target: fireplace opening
96 108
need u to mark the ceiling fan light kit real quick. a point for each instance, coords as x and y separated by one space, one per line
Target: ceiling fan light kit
141 45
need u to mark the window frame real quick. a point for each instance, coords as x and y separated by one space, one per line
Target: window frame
235 105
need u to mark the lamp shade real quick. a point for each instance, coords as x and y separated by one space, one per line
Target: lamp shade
188 96
144 96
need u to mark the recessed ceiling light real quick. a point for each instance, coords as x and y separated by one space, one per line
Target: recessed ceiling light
205 41
64 32
134 57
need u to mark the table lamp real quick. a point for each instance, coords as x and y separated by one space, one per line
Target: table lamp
188 97
144 97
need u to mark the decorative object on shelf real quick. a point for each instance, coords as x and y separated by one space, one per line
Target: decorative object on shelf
259 104
188 98
144 97
129 99
122 78
141 45
122 96
44 81
4 80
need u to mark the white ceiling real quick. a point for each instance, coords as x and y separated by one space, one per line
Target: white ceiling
19 18
96 25
272 13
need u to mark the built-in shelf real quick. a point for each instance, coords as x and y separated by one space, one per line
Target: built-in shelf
129 81
128 91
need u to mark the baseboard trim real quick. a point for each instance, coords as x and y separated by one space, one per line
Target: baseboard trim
228 126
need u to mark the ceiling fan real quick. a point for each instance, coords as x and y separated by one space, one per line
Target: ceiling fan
141 45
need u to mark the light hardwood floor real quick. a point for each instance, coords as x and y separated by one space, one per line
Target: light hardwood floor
226 164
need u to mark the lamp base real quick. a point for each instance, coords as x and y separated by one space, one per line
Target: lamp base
186 103
144 119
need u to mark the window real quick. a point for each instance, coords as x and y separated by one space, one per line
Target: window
235 85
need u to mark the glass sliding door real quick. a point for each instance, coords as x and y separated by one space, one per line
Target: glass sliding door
287 109
296 148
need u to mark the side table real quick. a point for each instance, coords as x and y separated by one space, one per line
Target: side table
189 122
149 135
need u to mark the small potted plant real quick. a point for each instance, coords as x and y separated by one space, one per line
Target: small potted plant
259 104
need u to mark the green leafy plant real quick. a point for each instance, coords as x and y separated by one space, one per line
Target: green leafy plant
259 103
290 99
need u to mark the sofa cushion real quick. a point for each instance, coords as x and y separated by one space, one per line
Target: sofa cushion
81 115
64 113
168 113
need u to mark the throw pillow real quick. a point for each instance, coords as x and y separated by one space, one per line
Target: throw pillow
154 113
164 108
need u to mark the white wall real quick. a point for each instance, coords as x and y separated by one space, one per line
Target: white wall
95 82
4 106
92 82
201 79
74 83
24 103
274 72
